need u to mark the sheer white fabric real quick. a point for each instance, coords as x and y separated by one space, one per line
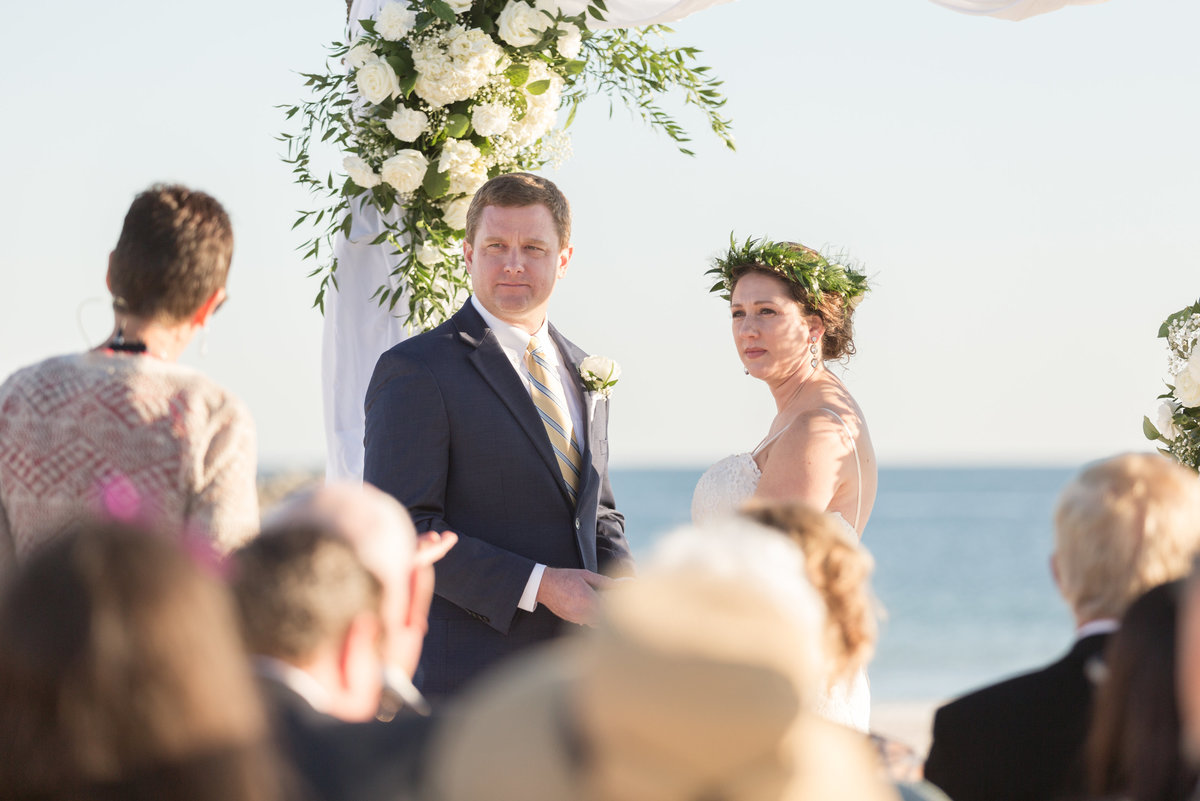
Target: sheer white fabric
357 329
1011 9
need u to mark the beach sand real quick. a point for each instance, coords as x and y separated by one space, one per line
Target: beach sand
910 722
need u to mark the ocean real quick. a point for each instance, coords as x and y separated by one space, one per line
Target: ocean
962 569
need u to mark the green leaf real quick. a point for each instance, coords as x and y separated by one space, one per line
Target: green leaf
517 74
444 12
368 25
575 67
457 126
436 183
538 87
1149 430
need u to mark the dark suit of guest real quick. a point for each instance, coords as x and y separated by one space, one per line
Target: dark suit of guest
453 434
1021 739
331 760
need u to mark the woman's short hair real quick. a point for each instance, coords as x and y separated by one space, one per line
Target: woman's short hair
835 312
839 569
517 189
121 668
174 252
1122 526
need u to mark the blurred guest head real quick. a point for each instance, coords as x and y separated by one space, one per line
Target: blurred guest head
173 256
381 531
1122 526
839 569
695 684
307 601
1188 676
122 675
1133 745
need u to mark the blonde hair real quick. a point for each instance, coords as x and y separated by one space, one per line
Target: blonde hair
839 569
1122 526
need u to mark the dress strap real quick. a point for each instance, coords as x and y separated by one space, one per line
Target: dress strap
771 439
857 465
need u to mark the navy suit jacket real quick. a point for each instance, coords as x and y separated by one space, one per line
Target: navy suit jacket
1021 739
452 433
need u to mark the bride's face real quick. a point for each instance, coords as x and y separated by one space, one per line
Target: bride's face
770 329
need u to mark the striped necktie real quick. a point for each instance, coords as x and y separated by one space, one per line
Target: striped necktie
547 393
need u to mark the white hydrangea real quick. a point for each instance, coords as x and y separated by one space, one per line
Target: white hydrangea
459 6
521 25
360 172
429 254
405 171
543 109
491 119
454 213
376 80
406 124
395 21
458 155
469 179
456 65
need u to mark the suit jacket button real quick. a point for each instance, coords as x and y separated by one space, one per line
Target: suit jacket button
577 524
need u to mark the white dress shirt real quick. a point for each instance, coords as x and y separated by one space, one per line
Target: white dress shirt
515 341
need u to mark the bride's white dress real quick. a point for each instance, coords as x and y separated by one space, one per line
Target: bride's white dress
722 489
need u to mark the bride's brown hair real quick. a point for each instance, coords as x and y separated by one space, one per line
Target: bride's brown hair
839 569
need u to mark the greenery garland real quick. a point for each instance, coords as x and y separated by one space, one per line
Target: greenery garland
442 95
794 263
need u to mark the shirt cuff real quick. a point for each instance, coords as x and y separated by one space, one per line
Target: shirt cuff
528 600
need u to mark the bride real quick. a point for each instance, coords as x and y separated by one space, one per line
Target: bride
792 310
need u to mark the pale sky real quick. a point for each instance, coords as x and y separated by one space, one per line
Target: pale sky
1024 194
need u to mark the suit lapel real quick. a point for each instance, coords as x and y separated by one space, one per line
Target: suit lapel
489 359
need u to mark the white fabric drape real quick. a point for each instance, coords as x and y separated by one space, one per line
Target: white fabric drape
357 329
1011 9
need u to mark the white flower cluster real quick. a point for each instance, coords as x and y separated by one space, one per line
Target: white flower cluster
465 164
541 109
455 64
600 374
1182 335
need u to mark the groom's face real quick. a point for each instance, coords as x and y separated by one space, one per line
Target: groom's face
515 262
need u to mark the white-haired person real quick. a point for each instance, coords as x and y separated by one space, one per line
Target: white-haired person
698 681
1122 526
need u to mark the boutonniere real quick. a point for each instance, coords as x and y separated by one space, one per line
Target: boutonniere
599 374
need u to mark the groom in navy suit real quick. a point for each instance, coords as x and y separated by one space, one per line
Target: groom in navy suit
483 426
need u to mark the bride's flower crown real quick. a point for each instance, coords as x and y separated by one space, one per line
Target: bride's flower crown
794 263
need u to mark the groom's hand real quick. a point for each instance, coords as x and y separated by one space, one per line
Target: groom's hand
571 594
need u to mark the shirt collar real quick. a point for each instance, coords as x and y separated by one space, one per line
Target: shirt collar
295 679
1104 625
512 338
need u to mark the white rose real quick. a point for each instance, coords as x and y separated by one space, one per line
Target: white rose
491 119
1164 422
395 21
570 42
429 254
455 213
521 25
459 6
360 172
599 370
360 53
1187 388
407 124
405 171
377 81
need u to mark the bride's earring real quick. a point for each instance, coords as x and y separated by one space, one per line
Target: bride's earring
746 370
812 348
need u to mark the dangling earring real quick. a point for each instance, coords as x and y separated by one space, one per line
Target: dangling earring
746 370
812 348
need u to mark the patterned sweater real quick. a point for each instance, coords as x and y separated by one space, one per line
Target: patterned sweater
126 436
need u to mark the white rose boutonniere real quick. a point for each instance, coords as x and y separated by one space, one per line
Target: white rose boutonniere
600 374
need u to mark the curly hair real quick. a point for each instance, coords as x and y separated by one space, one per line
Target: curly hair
839 569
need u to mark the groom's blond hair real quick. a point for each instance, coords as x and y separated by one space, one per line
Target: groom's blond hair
516 189
1122 526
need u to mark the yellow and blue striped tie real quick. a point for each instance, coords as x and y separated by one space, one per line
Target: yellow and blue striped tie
547 393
